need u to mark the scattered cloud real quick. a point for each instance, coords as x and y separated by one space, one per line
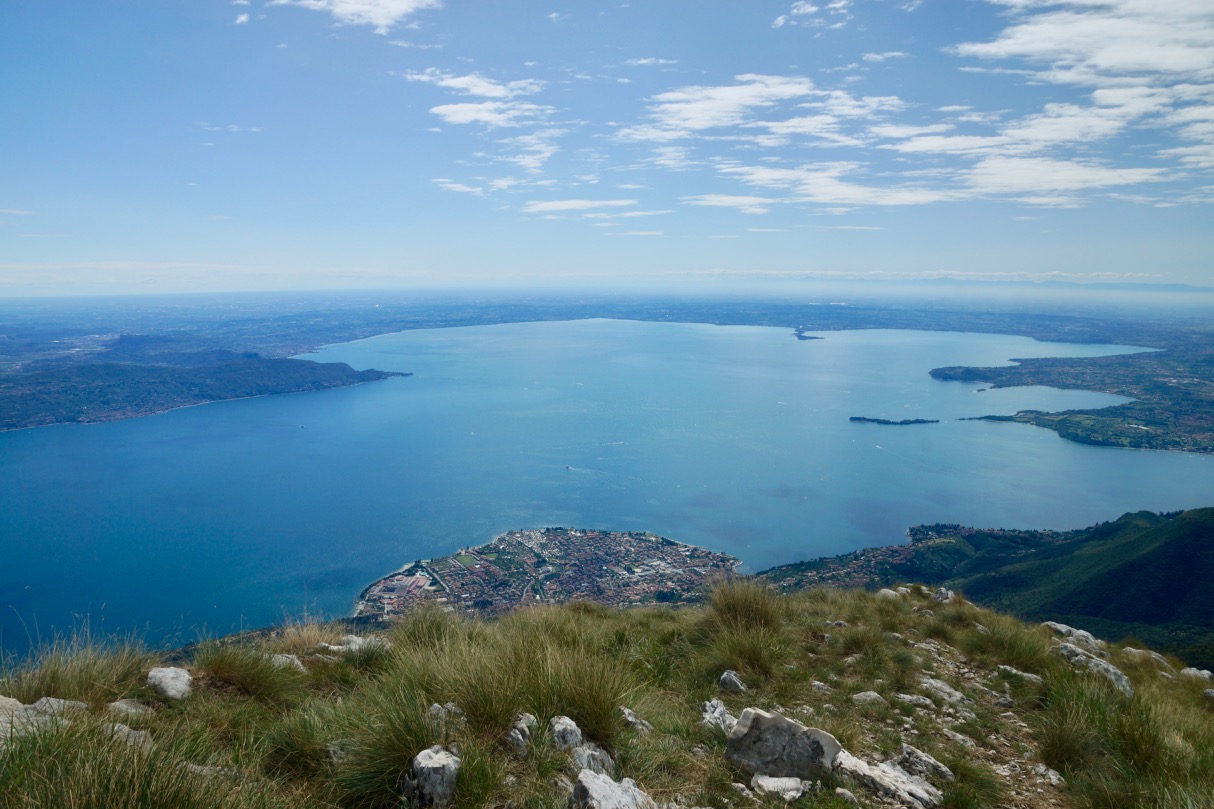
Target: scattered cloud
492 113
475 84
744 204
649 61
382 15
561 205
883 57
241 19
451 185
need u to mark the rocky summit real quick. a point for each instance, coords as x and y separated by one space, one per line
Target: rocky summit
827 698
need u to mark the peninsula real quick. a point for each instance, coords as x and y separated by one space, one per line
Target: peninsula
898 423
550 566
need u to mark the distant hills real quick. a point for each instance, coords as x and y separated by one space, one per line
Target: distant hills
1144 575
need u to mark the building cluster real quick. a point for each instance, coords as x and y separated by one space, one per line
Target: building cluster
550 566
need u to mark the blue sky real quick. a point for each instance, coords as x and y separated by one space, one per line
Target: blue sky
152 146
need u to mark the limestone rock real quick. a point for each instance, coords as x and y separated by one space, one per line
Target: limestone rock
595 791
868 698
565 733
1049 775
50 706
518 738
944 691
1083 660
730 681
435 775
135 738
954 736
446 715
170 682
787 789
889 781
885 592
1024 675
771 744
288 662
943 595
128 707
715 715
1159 659
635 722
916 700
1083 639
1208 694
915 762
10 706
846 795
1200 674
821 687
589 756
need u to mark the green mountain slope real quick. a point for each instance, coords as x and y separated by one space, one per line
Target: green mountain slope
1145 575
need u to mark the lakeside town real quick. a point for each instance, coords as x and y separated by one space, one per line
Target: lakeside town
549 566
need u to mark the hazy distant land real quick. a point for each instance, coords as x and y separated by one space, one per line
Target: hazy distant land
98 360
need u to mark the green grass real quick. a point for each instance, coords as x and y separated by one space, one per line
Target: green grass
344 734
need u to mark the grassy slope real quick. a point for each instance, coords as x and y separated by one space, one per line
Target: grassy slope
1144 575
270 727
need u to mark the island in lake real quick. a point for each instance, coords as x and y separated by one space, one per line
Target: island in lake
550 566
899 423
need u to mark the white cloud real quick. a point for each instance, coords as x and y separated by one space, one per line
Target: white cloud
882 57
534 149
681 112
1106 41
901 131
241 19
383 15
651 60
624 214
475 84
1039 175
451 185
744 204
560 205
492 113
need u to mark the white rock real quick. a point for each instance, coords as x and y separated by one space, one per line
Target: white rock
1081 638
743 790
1052 776
595 791
916 700
944 691
964 741
565 733
846 795
821 687
1024 675
787 789
1200 674
589 756
889 781
885 592
916 762
287 662
635 722
730 681
170 682
135 738
771 744
868 698
128 707
715 715
436 773
943 595
10 706
1081 659
50 706
1147 653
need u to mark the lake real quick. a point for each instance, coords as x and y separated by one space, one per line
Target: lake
735 438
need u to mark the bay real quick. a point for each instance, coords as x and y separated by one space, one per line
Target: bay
735 438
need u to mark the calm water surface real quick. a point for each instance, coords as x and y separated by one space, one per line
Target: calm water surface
735 438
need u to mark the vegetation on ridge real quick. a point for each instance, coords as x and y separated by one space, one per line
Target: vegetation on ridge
1143 575
343 732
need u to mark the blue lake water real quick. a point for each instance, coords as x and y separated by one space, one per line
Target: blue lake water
735 438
